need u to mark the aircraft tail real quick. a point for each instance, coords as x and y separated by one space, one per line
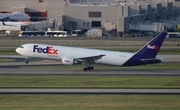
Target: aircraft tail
151 49
147 54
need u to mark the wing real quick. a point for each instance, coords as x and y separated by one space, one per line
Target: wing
88 58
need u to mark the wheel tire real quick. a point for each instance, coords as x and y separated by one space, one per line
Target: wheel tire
92 68
89 68
85 69
26 62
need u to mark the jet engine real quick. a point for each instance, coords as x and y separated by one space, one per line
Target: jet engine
70 61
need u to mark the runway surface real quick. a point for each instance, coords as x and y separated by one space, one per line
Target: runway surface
89 91
36 68
96 72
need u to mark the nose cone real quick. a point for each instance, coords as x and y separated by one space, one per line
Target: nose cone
18 50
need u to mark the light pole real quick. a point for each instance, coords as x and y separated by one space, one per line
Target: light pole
55 20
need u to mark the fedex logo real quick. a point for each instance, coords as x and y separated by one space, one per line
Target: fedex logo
48 50
67 61
153 47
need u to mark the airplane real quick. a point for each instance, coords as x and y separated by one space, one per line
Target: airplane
13 16
76 55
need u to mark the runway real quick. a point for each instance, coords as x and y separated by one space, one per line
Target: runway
88 91
38 67
97 72
35 68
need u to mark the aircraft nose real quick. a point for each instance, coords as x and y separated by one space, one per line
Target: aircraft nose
17 50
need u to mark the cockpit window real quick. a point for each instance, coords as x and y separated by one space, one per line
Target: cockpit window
21 46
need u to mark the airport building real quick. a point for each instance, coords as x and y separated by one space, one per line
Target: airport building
114 17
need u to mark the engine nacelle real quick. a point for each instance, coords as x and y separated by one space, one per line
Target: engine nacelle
70 61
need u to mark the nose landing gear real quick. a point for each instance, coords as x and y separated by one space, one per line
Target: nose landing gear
26 61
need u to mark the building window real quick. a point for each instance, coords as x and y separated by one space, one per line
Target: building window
164 8
87 24
84 24
153 10
94 14
143 11
40 0
96 23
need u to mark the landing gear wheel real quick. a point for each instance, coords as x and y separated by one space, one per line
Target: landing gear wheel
85 69
89 68
26 61
92 68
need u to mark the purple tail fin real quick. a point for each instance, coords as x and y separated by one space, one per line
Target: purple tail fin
147 54
151 49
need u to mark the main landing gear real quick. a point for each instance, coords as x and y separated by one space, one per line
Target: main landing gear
88 66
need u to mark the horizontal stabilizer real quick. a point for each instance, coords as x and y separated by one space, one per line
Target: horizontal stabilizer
151 61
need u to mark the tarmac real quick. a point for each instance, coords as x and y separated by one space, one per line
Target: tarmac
36 67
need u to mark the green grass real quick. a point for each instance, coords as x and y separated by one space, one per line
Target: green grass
7 51
6 60
89 102
91 81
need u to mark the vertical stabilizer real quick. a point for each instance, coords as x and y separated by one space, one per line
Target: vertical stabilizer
151 49
147 54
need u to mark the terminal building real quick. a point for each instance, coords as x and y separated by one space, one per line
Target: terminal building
114 17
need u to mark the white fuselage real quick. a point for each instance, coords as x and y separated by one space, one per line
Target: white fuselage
58 52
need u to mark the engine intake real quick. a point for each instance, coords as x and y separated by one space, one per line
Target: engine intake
70 61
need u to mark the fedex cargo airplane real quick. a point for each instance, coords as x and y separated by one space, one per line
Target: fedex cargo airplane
13 16
75 55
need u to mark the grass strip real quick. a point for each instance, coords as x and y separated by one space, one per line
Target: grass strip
6 60
91 81
89 102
